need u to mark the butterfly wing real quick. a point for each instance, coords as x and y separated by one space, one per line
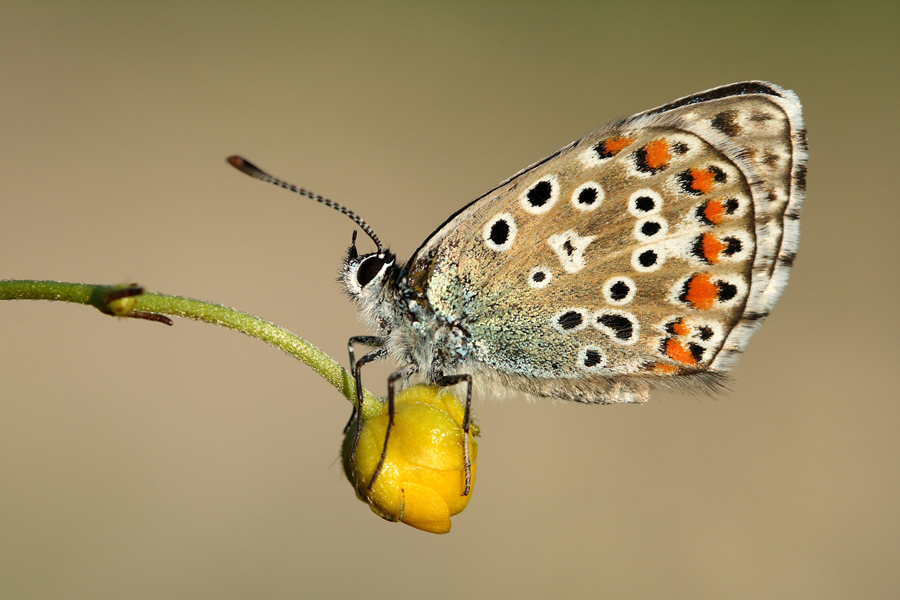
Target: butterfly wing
645 254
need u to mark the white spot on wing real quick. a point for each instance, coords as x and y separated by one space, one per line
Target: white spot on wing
585 188
612 282
569 248
544 275
489 230
592 359
637 203
527 203
652 233
648 258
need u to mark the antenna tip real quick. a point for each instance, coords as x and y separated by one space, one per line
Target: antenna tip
245 166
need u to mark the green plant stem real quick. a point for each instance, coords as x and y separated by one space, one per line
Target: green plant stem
198 310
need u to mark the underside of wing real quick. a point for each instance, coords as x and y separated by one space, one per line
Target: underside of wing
645 253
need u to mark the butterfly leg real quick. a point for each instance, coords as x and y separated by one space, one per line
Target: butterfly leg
356 366
447 380
392 379
364 340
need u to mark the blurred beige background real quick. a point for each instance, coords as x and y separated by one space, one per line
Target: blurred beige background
139 461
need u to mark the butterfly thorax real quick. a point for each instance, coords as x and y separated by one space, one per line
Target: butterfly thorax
396 307
436 340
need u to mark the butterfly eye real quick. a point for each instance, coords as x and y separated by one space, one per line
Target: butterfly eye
369 269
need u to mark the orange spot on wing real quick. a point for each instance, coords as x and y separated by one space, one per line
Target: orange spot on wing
679 328
676 351
615 145
657 154
702 180
711 248
714 211
701 292
664 369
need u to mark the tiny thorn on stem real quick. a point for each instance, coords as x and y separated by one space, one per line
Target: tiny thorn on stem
122 301
148 316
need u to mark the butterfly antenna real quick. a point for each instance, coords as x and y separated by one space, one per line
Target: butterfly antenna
247 167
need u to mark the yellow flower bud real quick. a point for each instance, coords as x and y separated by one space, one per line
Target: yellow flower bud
423 477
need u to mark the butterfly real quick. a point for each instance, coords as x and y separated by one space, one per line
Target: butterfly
643 255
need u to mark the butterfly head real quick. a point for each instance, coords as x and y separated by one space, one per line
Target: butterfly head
366 277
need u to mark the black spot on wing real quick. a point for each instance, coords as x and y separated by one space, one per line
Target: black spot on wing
727 291
499 232
539 194
570 320
621 326
787 259
725 122
619 290
800 177
592 358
